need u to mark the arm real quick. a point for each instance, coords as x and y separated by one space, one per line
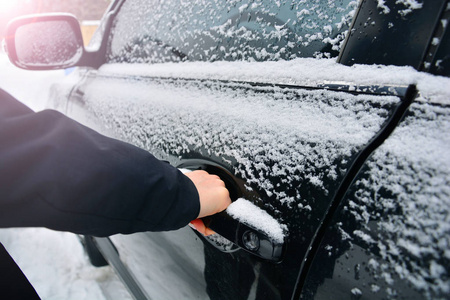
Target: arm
57 173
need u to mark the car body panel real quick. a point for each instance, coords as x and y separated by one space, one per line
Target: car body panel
296 133
401 33
390 236
166 254
295 147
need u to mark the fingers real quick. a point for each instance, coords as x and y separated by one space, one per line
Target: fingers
198 225
214 197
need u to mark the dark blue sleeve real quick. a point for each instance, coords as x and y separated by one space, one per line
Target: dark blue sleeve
59 174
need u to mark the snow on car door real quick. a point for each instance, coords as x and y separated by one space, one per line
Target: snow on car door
291 146
288 147
389 237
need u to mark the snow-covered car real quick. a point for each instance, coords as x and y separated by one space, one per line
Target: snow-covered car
329 122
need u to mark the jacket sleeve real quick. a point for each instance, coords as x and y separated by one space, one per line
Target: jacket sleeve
59 174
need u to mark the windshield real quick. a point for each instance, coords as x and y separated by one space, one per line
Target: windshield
204 30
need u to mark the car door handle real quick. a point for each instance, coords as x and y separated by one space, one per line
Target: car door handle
245 236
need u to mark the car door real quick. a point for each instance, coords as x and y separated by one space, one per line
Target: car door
185 86
389 236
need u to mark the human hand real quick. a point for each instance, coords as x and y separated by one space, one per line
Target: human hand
200 226
214 197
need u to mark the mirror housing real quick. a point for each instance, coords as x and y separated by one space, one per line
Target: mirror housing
46 42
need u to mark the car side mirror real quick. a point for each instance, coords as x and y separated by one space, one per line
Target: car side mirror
45 42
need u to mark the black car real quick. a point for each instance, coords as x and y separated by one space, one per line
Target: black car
329 122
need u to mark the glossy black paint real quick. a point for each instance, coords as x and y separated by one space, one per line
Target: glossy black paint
325 254
390 38
439 56
391 124
359 256
276 281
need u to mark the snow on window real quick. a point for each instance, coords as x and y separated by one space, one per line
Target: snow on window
405 190
145 31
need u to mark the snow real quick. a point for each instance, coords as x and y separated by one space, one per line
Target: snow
249 31
41 52
269 125
248 213
62 270
407 7
382 5
31 87
374 288
410 6
407 183
301 71
54 262
357 292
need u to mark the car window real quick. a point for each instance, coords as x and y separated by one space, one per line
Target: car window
162 31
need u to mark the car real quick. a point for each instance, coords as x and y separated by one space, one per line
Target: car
327 120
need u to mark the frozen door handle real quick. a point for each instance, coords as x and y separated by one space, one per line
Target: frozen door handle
245 236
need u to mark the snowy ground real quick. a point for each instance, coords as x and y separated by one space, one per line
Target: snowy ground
54 262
